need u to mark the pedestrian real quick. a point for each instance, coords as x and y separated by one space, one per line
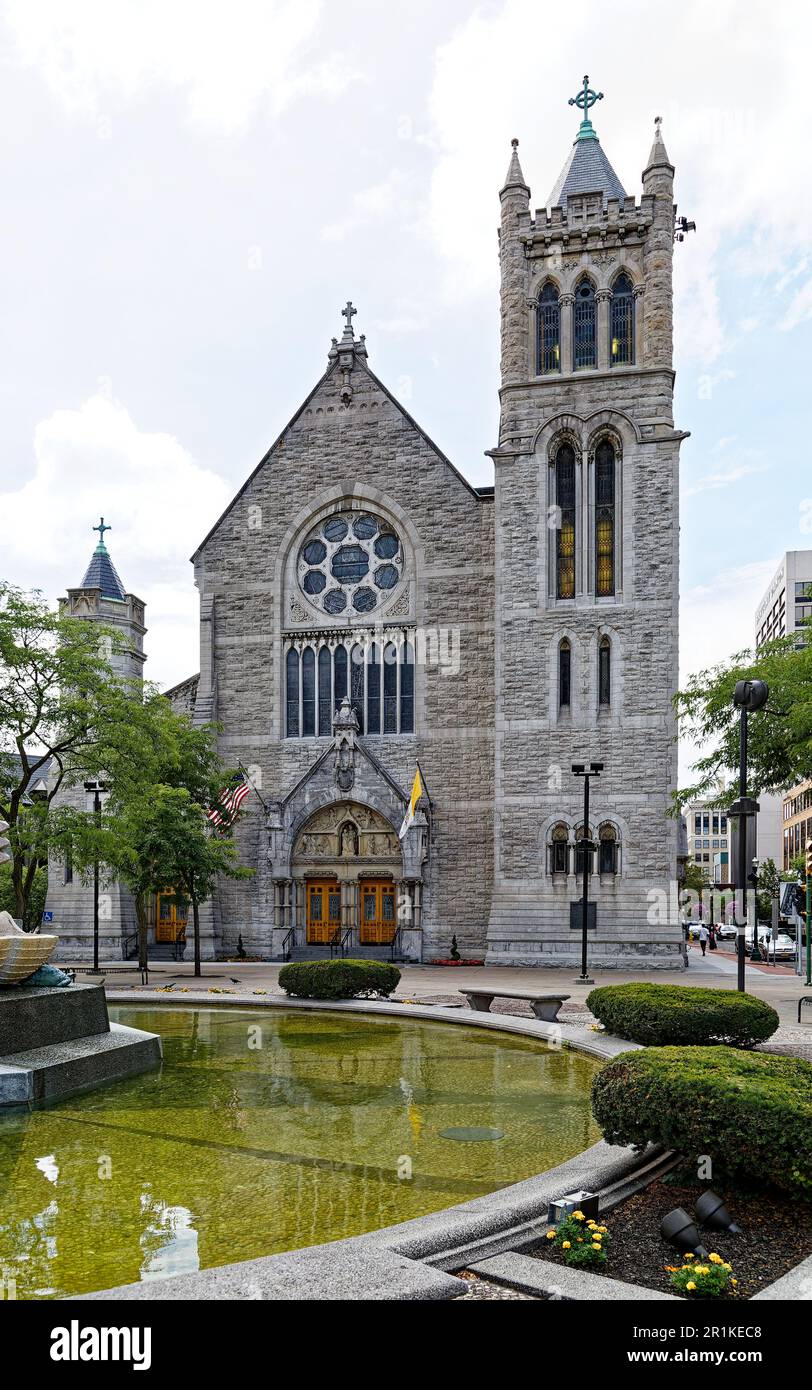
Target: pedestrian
703 938
712 936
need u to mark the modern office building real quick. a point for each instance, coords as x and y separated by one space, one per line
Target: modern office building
788 600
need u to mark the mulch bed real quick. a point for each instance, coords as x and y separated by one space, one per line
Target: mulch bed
776 1235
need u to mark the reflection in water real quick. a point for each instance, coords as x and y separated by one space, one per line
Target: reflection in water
265 1131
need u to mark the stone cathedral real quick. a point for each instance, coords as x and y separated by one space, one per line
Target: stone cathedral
365 610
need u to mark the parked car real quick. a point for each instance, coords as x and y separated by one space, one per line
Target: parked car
784 948
726 931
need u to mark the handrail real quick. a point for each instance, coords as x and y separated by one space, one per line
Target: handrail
287 943
394 942
128 944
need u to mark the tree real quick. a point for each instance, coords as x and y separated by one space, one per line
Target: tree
171 839
780 737
696 879
62 708
768 886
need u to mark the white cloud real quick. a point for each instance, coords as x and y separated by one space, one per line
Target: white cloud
229 60
370 205
159 501
723 477
799 309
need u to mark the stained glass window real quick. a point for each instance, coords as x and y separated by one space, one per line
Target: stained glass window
604 671
339 564
292 701
340 675
373 690
607 850
565 535
559 850
584 325
390 689
605 519
621 322
357 684
406 689
549 330
308 692
564 673
325 704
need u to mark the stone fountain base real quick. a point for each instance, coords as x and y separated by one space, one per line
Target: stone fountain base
54 1042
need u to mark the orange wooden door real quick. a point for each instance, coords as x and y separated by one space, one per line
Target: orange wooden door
378 912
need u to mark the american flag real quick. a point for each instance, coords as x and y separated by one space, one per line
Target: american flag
230 801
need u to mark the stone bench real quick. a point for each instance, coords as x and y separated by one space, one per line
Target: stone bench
108 970
544 1004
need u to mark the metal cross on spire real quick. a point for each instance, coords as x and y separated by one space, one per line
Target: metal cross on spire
349 314
584 101
101 528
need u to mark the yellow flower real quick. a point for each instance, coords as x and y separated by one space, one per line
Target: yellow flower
702 1269
551 1235
734 1281
715 1259
729 1269
565 1245
690 1286
580 1240
578 1216
595 1245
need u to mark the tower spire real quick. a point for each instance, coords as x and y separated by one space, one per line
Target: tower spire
101 573
515 178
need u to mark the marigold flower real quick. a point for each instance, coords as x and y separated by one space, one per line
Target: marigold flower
595 1245
715 1259
690 1286
551 1235
578 1216
565 1245
734 1281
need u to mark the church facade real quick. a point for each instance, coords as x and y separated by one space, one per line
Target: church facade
364 611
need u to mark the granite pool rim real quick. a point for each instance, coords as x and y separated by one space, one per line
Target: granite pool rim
411 1259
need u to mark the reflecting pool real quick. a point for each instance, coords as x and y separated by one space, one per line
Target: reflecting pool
268 1129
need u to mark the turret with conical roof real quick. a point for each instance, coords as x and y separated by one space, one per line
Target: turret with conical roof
102 597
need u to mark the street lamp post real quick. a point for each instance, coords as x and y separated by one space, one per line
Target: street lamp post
748 697
95 789
587 847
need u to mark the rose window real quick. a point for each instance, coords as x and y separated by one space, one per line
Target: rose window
350 563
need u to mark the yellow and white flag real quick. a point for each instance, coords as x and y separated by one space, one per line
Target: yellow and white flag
418 790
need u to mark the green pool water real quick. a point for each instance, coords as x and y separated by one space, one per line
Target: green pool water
268 1130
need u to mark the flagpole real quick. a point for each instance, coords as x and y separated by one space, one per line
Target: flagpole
423 782
244 771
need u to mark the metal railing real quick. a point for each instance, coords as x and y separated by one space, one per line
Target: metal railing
339 942
395 942
288 942
129 946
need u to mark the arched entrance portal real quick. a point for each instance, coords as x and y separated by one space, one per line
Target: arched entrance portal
347 871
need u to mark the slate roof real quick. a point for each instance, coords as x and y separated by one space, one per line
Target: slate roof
101 574
587 170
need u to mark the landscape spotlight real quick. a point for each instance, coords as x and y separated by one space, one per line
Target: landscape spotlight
679 1229
711 1211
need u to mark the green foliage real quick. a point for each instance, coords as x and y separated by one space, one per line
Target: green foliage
338 979
36 897
751 1112
455 955
696 878
583 1243
779 746
709 1278
661 1014
768 886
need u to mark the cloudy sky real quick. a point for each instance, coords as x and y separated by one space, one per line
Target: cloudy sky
192 189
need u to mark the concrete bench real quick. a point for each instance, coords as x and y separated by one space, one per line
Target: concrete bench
544 1005
804 999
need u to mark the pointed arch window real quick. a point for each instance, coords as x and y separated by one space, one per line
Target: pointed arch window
605 519
607 850
390 689
357 662
559 849
585 323
549 330
373 690
565 535
340 675
406 688
564 674
292 693
308 692
325 699
621 322
605 672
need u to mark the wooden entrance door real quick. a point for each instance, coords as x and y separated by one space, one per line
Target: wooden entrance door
378 911
323 901
171 917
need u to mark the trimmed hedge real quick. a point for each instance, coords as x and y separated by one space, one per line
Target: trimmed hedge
338 979
664 1014
751 1112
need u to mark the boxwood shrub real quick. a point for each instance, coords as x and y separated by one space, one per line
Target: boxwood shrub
750 1111
663 1014
338 979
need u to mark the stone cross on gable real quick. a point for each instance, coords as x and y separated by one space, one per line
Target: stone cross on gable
101 528
349 314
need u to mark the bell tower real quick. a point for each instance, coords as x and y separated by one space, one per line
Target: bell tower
586 490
